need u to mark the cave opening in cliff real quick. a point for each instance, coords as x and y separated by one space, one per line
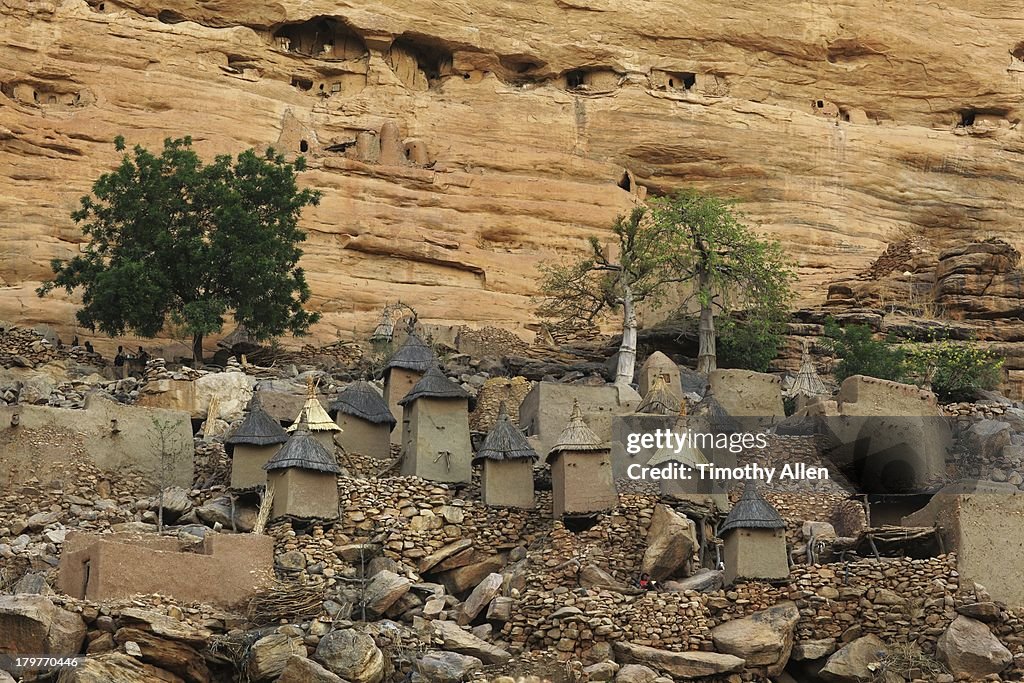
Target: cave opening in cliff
575 79
1018 51
682 81
625 182
302 83
418 61
168 16
303 146
967 117
321 37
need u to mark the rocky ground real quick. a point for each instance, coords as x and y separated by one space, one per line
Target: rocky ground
421 581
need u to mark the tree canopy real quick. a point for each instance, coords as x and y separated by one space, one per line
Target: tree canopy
172 241
687 237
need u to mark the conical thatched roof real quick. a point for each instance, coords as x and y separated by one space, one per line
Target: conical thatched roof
752 511
718 418
807 382
660 399
434 385
576 436
258 428
413 354
505 441
313 413
303 451
362 400
688 455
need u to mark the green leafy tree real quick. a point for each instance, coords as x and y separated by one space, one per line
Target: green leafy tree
172 241
860 353
750 344
686 238
729 266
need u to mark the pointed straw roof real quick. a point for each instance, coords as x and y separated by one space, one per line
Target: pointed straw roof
689 455
413 354
576 436
660 399
313 413
752 511
258 428
807 382
362 400
304 452
505 441
434 385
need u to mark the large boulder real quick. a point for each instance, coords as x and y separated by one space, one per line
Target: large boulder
592 576
232 390
298 669
459 581
177 657
176 503
431 561
968 647
481 596
268 656
853 662
32 624
987 438
684 665
764 638
351 655
671 540
447 667
454 639
703 580
218 510
636 673
384 590
115 667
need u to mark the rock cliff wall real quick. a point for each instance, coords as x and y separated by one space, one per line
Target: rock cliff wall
457 143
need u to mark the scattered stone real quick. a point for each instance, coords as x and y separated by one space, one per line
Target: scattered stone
268 656
384 590
764 638
685 665
351 655
447 667
854 662
968 647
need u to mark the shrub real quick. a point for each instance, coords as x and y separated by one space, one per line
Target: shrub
749 344
956 370
860 353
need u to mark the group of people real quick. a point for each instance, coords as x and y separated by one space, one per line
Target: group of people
122 358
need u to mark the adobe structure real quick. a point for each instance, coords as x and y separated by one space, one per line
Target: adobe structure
659 365
546 408
581 471
754 536
318 422
223 569
251 445
364 418
980 521
435 430
303 479
506 460
403 370
754 399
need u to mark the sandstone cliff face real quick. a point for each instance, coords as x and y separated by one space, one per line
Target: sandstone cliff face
457 143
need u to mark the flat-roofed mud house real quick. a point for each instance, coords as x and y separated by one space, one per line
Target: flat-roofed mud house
303 479
435 426
754 535
403 370
318 422
506 461
251 445
365 420
581 471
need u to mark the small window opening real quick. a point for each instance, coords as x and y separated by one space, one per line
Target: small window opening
465 77
102 6
574 79
35 95
821 104
52 99
303 146
335 87
689 80
321 86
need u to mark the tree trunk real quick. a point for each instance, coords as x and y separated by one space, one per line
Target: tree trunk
197 350
707 359
627 349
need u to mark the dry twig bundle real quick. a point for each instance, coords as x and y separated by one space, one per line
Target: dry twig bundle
288 601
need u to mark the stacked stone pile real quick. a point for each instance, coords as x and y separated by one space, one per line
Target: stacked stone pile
27 348
495 390
490 341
